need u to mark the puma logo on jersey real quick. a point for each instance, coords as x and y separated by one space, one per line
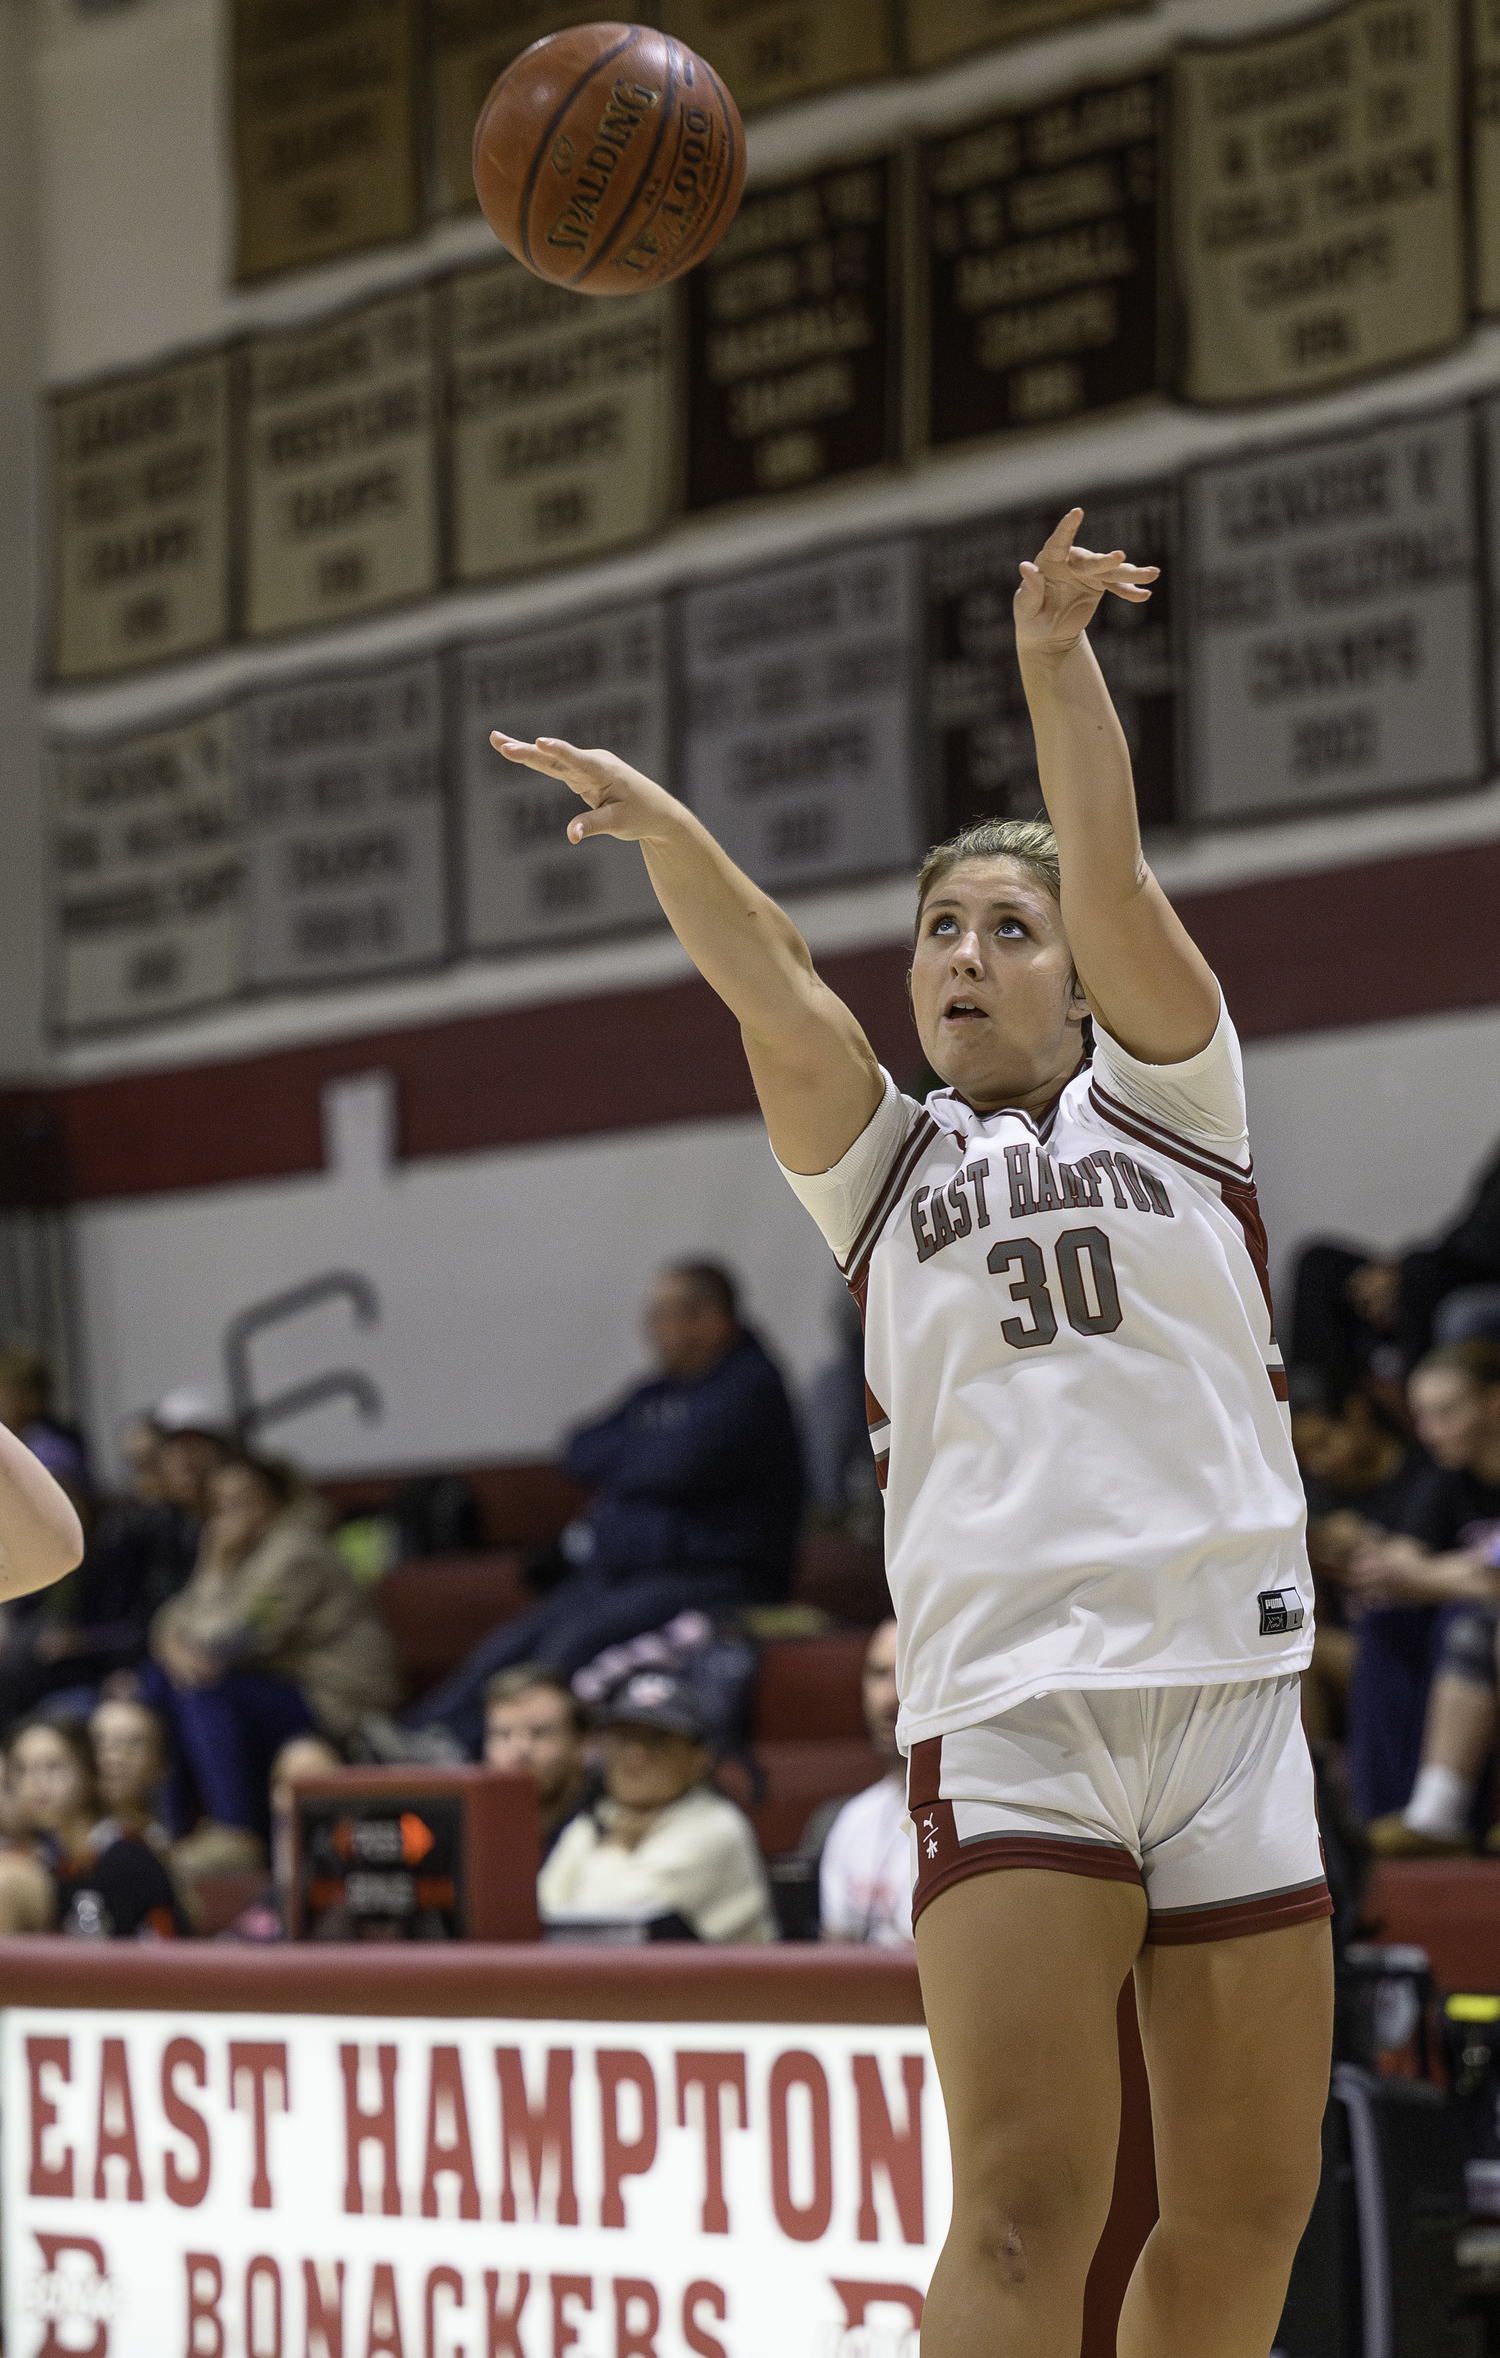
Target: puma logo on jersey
1280 1611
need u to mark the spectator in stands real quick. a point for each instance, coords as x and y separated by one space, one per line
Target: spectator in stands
1454 1569
130 1752
107 1883
270 1639
697 1483
533 1725
140 1552
661 1841
864 1879
1349 1302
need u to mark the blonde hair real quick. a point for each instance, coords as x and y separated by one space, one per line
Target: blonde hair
1029 841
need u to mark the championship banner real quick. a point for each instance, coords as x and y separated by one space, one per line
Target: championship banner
936 30
147 876
341 467
599 681
325 130
1484 153
1336 618
140 526
1042 236
1318 206
254 2185
471 42
770 50
792 363
563 420
344 826
976 707
799 750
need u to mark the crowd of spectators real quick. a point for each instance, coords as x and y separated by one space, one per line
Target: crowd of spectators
217 1641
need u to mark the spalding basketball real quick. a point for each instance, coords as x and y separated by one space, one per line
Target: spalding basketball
609 158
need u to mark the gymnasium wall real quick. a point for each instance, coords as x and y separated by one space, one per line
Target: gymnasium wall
554 1122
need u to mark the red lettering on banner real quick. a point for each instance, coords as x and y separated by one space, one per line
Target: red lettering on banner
544 2132
450 2156
52 2248
565 2289
262 2270
714 2074
179 2055
635 2338
857 2298
704 2295
325 2316
505 2321
449 2281
363 2128
205 2290
117 2125
383 2333
264 2062
624 2157
883 2147
48 2177
804 2223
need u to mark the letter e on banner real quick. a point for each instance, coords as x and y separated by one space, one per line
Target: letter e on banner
565 2335
48 2175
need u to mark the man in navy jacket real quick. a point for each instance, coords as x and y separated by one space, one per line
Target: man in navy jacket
697 1481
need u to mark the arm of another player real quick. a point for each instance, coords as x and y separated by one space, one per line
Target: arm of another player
41 1537
1146 979
814 1071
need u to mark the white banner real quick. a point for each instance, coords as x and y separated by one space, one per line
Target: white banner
231 2186
1334 648
798 751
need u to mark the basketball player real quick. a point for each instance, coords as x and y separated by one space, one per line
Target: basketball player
1094 1521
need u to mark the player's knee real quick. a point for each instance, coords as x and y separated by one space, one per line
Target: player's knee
1030 2207
1264 2209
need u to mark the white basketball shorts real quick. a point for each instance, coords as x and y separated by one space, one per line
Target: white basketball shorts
1201 1795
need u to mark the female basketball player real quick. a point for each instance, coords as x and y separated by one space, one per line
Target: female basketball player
1094 1521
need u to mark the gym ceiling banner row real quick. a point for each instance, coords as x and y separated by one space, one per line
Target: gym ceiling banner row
1319 637
1261 220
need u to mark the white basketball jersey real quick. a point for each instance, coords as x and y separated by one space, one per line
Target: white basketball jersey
1076 1400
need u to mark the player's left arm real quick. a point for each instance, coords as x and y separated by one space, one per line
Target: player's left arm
41 1537
1146 979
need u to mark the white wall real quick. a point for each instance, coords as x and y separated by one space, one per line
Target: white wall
20 806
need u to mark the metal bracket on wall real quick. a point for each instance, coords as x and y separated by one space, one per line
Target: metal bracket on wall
250 1415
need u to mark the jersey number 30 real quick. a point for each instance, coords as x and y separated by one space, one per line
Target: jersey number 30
1072 1248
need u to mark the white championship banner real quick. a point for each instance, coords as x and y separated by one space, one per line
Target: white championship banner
302 2186
1335 621
799 747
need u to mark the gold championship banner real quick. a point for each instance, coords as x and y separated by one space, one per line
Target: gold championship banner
1042 278
976 707
598 679
325 129
563 420
770 50
791 376
1335 621
1318 206
146 876
344 823
936 30
140 519
341 467
1484 154
471 44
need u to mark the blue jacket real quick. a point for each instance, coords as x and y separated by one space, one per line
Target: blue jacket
704 1476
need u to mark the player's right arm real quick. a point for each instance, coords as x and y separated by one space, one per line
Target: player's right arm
815 1073
40 1534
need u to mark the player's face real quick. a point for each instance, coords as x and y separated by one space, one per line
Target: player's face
997 1008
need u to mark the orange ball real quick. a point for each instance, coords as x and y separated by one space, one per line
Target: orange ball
609 158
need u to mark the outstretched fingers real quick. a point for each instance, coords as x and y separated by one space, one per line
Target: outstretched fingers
587 773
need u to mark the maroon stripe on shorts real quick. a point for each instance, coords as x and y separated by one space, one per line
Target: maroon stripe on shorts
943 1860
1271 1911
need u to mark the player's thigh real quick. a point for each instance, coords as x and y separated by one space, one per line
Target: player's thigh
1021 1974
1238 2038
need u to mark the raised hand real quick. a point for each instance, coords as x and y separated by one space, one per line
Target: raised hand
621 802
1058 594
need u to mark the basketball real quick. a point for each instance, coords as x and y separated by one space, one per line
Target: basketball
609 158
